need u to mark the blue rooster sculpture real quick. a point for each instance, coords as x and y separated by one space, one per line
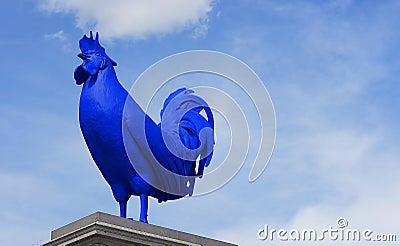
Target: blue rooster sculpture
135 155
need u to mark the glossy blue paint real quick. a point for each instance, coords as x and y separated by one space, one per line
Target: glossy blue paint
135 155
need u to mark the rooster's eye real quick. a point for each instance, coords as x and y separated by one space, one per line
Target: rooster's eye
97 54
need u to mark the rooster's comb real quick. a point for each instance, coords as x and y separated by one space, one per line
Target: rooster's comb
89 44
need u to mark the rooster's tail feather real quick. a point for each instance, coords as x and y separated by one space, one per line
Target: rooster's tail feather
182 116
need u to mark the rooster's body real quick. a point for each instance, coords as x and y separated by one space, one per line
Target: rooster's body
134 154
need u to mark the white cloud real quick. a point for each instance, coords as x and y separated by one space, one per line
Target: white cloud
135 19
60 35
62 38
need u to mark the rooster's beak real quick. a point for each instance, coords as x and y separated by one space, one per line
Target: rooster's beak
83 56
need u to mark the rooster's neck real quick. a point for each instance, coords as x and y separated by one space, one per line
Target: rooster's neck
106 77
103 92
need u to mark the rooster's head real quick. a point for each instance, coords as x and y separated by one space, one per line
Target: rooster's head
94 58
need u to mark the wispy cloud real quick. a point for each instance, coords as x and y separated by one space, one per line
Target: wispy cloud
135 19
60 35
62 38
324 67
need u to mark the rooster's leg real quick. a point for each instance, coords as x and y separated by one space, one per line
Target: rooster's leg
122 209
144 204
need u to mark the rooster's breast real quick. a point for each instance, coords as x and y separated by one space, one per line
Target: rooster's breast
100 118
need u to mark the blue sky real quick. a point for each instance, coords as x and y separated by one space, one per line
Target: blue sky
331 69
